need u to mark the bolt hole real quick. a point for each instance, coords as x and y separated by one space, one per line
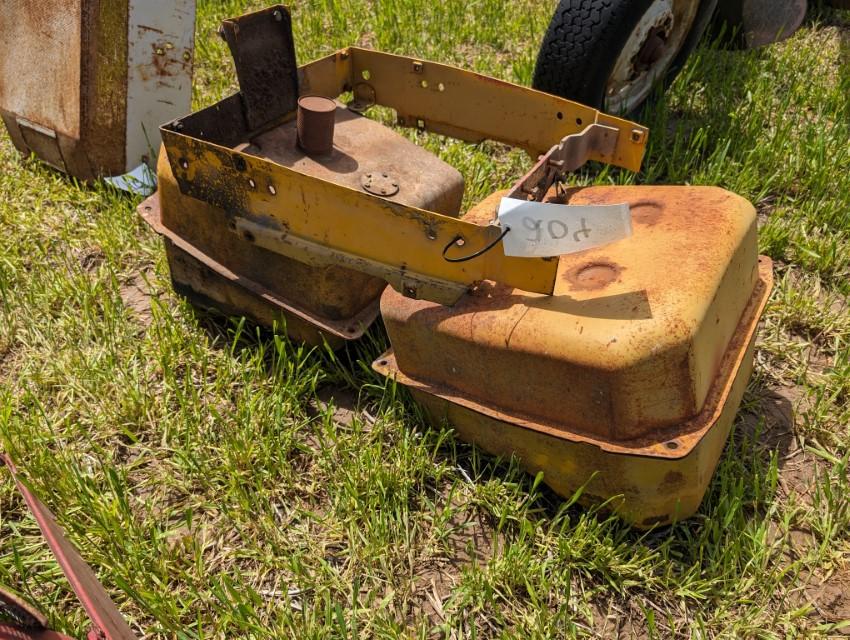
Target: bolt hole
239 163
351 330
366 75
383 363
147 208
579 121
559 115
248 236
672 445
272 190
184 163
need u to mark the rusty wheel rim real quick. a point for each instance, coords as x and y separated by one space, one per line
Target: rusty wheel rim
648 53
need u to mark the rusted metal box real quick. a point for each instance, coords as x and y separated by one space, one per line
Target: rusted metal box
85 84
624 382
219 266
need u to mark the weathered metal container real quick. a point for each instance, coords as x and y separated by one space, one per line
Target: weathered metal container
627 379
85 84
219 266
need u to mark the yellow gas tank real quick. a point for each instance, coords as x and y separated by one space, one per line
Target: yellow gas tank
626 380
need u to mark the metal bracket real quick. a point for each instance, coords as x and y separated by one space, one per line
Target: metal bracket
263 51
568 155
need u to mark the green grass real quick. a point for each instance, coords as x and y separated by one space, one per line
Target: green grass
224 482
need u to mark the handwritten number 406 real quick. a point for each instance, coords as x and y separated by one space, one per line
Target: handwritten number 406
556 229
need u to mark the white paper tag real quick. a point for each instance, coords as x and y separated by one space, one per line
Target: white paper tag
543 230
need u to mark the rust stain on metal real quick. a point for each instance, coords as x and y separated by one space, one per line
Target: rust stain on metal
646 212
594 275
166 62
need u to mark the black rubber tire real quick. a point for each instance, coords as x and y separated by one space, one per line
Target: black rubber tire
584 40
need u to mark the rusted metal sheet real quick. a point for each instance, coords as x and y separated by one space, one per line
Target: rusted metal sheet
263 50
637 355
85 84
35 36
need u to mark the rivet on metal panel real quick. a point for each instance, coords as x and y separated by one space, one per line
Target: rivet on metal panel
187 56
423 84
272 190
251 183
638 136
409 291
160 51
278 16
184 164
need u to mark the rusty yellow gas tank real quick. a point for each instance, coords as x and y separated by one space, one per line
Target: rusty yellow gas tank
218 266
624 382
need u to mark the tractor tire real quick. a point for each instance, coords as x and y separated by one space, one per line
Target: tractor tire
586 38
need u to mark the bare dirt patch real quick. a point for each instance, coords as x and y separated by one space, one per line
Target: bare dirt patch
137 299
830 598
773 424
471 541
343 402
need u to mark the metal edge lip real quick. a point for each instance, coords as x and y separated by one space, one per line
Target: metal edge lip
349 329
686 436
